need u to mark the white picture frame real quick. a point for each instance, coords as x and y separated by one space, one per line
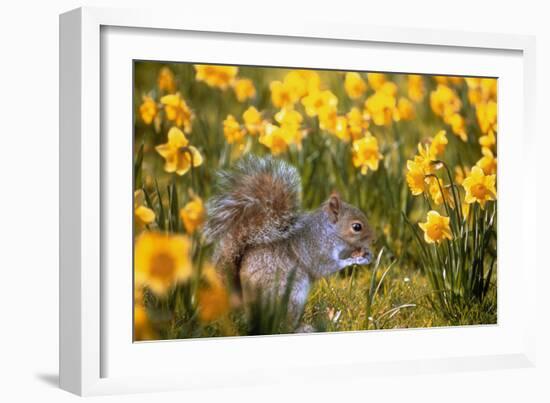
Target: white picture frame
86 346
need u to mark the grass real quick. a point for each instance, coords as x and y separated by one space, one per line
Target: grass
339 303
359 298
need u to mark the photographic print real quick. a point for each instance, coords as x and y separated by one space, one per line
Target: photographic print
271 200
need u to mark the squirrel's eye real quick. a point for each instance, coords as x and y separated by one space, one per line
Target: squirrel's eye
357 227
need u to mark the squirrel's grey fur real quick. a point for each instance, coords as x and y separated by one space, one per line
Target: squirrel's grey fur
261 234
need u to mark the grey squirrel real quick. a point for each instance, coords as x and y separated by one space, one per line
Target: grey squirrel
261 234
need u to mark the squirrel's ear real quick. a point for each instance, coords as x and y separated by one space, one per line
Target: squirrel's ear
333 206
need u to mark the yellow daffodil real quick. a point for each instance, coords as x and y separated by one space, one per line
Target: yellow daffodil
418 168
488 163
354 85
276 139
488 140
148 110
232 130
438 144
436 228
341 130
380 106
311 78
425 157
289 118
299 83
161 261
177 111
479 187
253 121
281 95
142 326
488 88
290 122
142 215
458 125
376 80
416 177
416 89
244 89
358 122
487 116
460 174
439 192
216 76
481 90
295 136
365 153
444 101
166 81
328 116
193 214
177 152
445 80
295 84
388 88
474 94
318 101
455 80
212 296
404 110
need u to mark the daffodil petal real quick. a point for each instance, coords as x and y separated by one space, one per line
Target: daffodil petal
145 214
197 157
176 138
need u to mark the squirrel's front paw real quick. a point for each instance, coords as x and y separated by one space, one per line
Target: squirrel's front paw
359 256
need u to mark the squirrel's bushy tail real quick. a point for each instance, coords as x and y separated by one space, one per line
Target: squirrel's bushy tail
257 202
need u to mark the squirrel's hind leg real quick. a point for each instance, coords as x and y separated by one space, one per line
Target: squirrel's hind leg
260 281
